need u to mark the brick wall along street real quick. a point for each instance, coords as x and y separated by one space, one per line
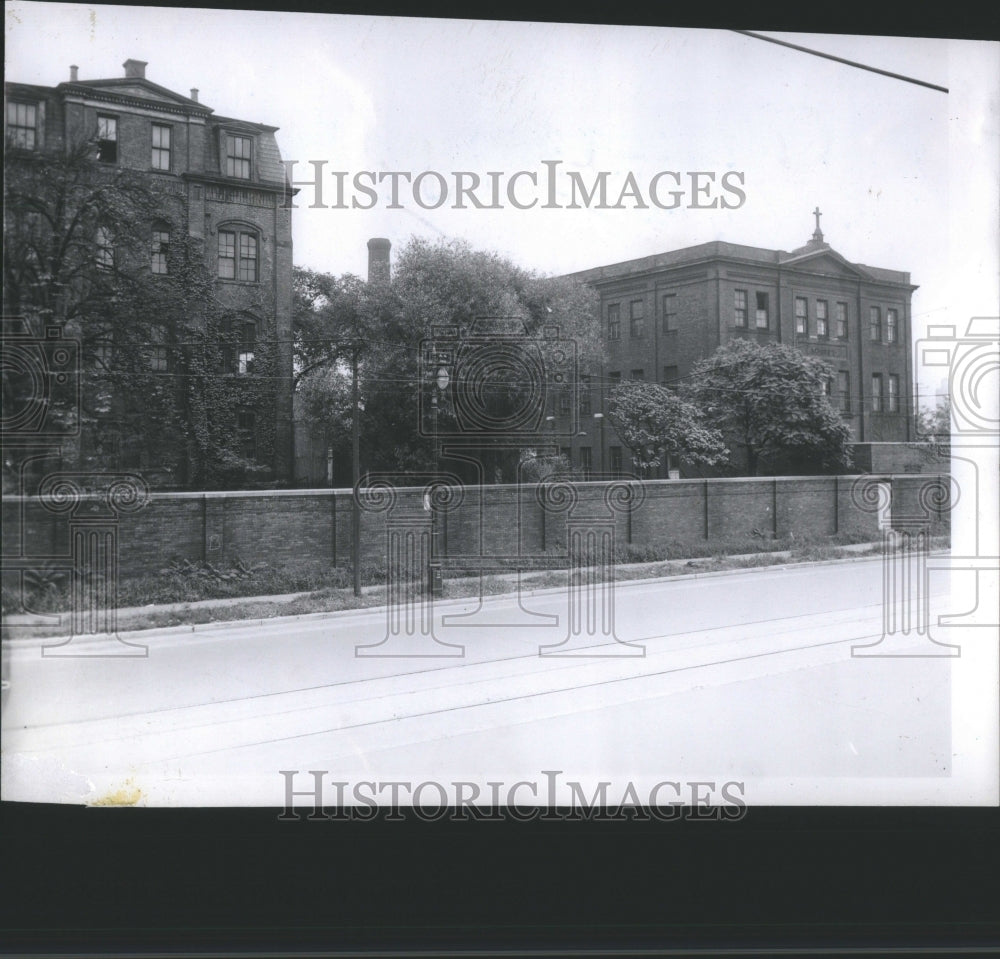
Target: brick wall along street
314 526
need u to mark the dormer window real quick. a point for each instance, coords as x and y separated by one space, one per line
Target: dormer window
22 125
107 139
238 156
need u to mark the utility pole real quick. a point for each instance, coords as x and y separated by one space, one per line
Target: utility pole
356 474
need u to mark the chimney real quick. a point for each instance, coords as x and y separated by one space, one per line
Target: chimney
136 69
194 94
74 71
378 259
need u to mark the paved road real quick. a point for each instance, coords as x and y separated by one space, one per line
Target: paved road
746 676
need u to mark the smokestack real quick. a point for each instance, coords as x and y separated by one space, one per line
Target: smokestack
194 94
378 259
73 73
136 69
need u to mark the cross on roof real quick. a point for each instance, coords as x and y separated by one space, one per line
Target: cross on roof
817 234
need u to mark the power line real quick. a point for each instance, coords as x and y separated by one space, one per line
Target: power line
850 63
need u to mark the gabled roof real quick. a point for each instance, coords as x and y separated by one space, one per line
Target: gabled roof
815 257
820 257
134 89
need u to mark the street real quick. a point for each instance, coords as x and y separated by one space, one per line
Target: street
746 677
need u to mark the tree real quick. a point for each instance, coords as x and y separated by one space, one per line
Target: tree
437 285
158 352
653 421
771 405
934 428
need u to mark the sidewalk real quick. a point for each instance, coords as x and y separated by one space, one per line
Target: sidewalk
690 567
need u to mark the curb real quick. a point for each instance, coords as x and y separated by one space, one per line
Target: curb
367 610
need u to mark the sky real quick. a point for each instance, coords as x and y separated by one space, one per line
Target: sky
905 176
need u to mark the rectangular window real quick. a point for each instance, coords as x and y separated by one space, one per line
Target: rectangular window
238 156
564 404
891 326
107 139
637 375
876 392
616 460
161 147
105 249
875 324
801 315
22 125
160 245
227 255
761 316
158 359
246 423
670 313
614 379
248 257
248 343
636 318
893 393
670 376
586 403
740 307
842 321
844 388
586 461
614 322
822 319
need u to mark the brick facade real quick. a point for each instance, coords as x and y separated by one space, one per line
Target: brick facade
673 309
225 181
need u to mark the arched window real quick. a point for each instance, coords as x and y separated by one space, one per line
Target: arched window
239 253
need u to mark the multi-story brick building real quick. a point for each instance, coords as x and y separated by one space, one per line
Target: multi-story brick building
664 313
223 185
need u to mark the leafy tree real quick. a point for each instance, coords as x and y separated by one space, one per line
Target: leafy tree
653 421
435 285
770 404
934 428
158 351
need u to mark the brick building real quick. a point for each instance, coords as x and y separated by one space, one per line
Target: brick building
224 186
664 313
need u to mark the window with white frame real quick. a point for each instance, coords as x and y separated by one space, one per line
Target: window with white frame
160 246
801 315
841 321
239 157
161 147
891 326
238 255
740 307
822 318
761 316
107 139
876 392
893 392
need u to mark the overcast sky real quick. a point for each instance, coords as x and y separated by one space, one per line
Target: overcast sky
905 176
